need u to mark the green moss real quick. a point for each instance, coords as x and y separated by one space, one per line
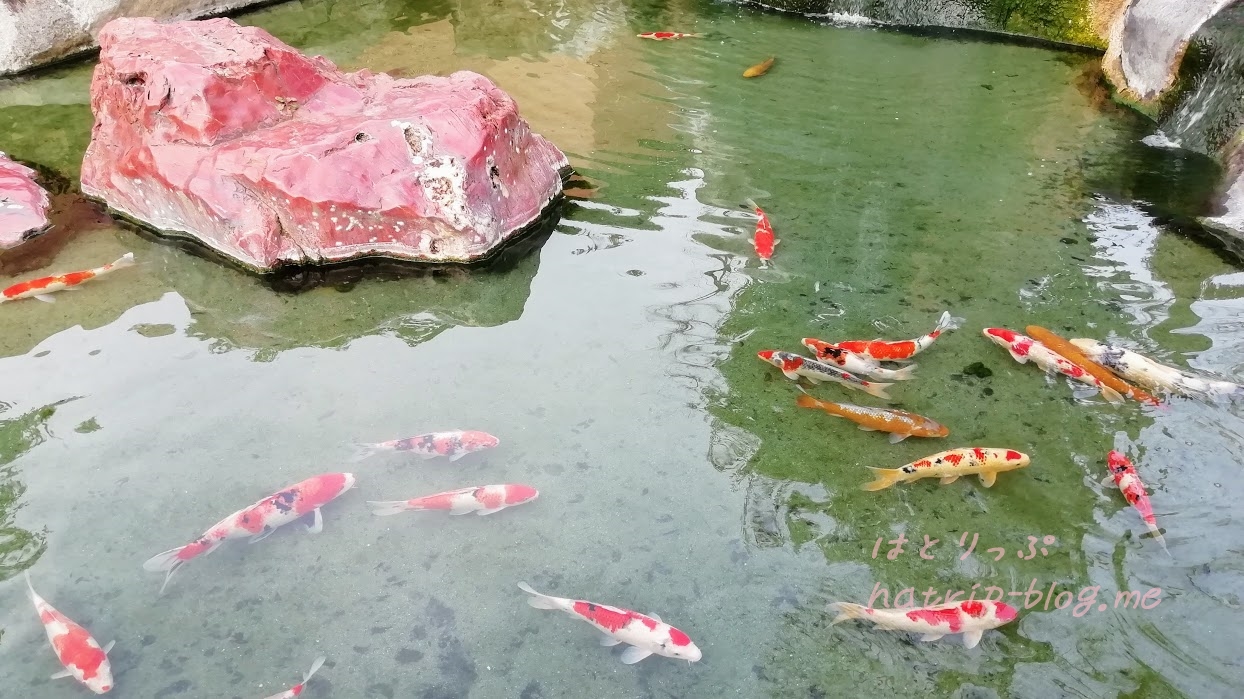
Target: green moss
19 548
1060 20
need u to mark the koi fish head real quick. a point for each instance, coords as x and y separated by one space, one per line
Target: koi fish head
101 683
1001 336
475 441
681 647
826 351
1004 612
1117 463
782 360
516 494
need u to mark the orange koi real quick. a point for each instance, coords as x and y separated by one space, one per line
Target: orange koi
42 287
760 68
899 423
1077 357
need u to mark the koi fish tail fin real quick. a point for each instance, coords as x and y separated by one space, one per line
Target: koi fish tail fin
877 389
390 507
163 562
847 611
1111 395
126 260
362 451
752 203
904 374
948 322
806 401
886 477
30 588
315 667
537 600
1157 534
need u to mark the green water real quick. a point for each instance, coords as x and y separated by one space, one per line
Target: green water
616 362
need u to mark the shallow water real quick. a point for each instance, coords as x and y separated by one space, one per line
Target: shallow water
617 365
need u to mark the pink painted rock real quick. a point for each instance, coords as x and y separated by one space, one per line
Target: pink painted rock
23 204
225 134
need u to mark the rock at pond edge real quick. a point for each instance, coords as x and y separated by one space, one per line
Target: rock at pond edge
23 204
224 134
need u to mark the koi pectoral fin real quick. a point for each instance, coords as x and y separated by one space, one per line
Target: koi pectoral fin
608 641
931 636
267 532
317 524
896 437
457 456
60 675
44 298
634 654
988 478
108 648
971 638
947 480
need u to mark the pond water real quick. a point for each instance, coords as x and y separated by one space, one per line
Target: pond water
616 363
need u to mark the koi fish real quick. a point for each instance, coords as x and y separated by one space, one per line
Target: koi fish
258 521
1022 348
455 444
971 618
1074 355
763 240
83 658
645 634
858 363
949 465
42 287
482 500
296 690
665 36
1153 376
795 366
760 68
1125 476
898 423
903 350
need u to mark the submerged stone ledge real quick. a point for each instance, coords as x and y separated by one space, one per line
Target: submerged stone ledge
225 135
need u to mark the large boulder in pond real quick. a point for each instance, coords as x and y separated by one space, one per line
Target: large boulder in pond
223 134
23 204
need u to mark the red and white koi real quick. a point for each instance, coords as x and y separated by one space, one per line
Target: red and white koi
858 363
950 465
296 690
42 287
795 366
1142 370
1125 476
667 36
1023 348
259 520
971 618
903 350
482 500
455 444
763 240
646 634
83 658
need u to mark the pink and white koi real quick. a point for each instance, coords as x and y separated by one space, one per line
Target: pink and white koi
1125 476
296 690
259 520
858 363
646 634
482 500
455 444
1145 372
75 648
1023 348
42 288
795 366
971 618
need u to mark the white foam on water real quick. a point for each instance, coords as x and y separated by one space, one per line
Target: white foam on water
1160 140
